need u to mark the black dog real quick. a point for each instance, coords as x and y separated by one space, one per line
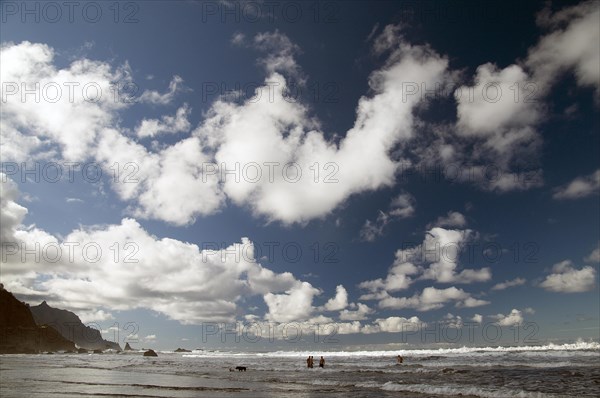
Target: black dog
241 368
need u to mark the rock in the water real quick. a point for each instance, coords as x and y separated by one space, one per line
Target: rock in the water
97 351
128 347
182 350
150 353
82 351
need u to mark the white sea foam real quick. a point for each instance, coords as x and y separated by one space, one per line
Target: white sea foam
465 390
321 382
530 350
504 363
368 384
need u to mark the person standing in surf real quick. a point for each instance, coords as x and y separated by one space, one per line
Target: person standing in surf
322 362
309 362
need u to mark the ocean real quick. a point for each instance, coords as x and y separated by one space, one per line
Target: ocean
569 370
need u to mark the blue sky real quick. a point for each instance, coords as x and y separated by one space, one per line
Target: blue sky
471 205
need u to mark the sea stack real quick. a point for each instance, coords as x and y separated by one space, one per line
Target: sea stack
150 353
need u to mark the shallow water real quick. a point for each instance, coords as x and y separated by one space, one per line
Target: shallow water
551 371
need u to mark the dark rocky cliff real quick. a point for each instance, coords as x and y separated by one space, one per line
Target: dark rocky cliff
19 334
70 327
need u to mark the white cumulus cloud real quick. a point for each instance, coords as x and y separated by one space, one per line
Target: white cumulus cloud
432 298
509 283
166 124
565 278
340 301
580 187
514 318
